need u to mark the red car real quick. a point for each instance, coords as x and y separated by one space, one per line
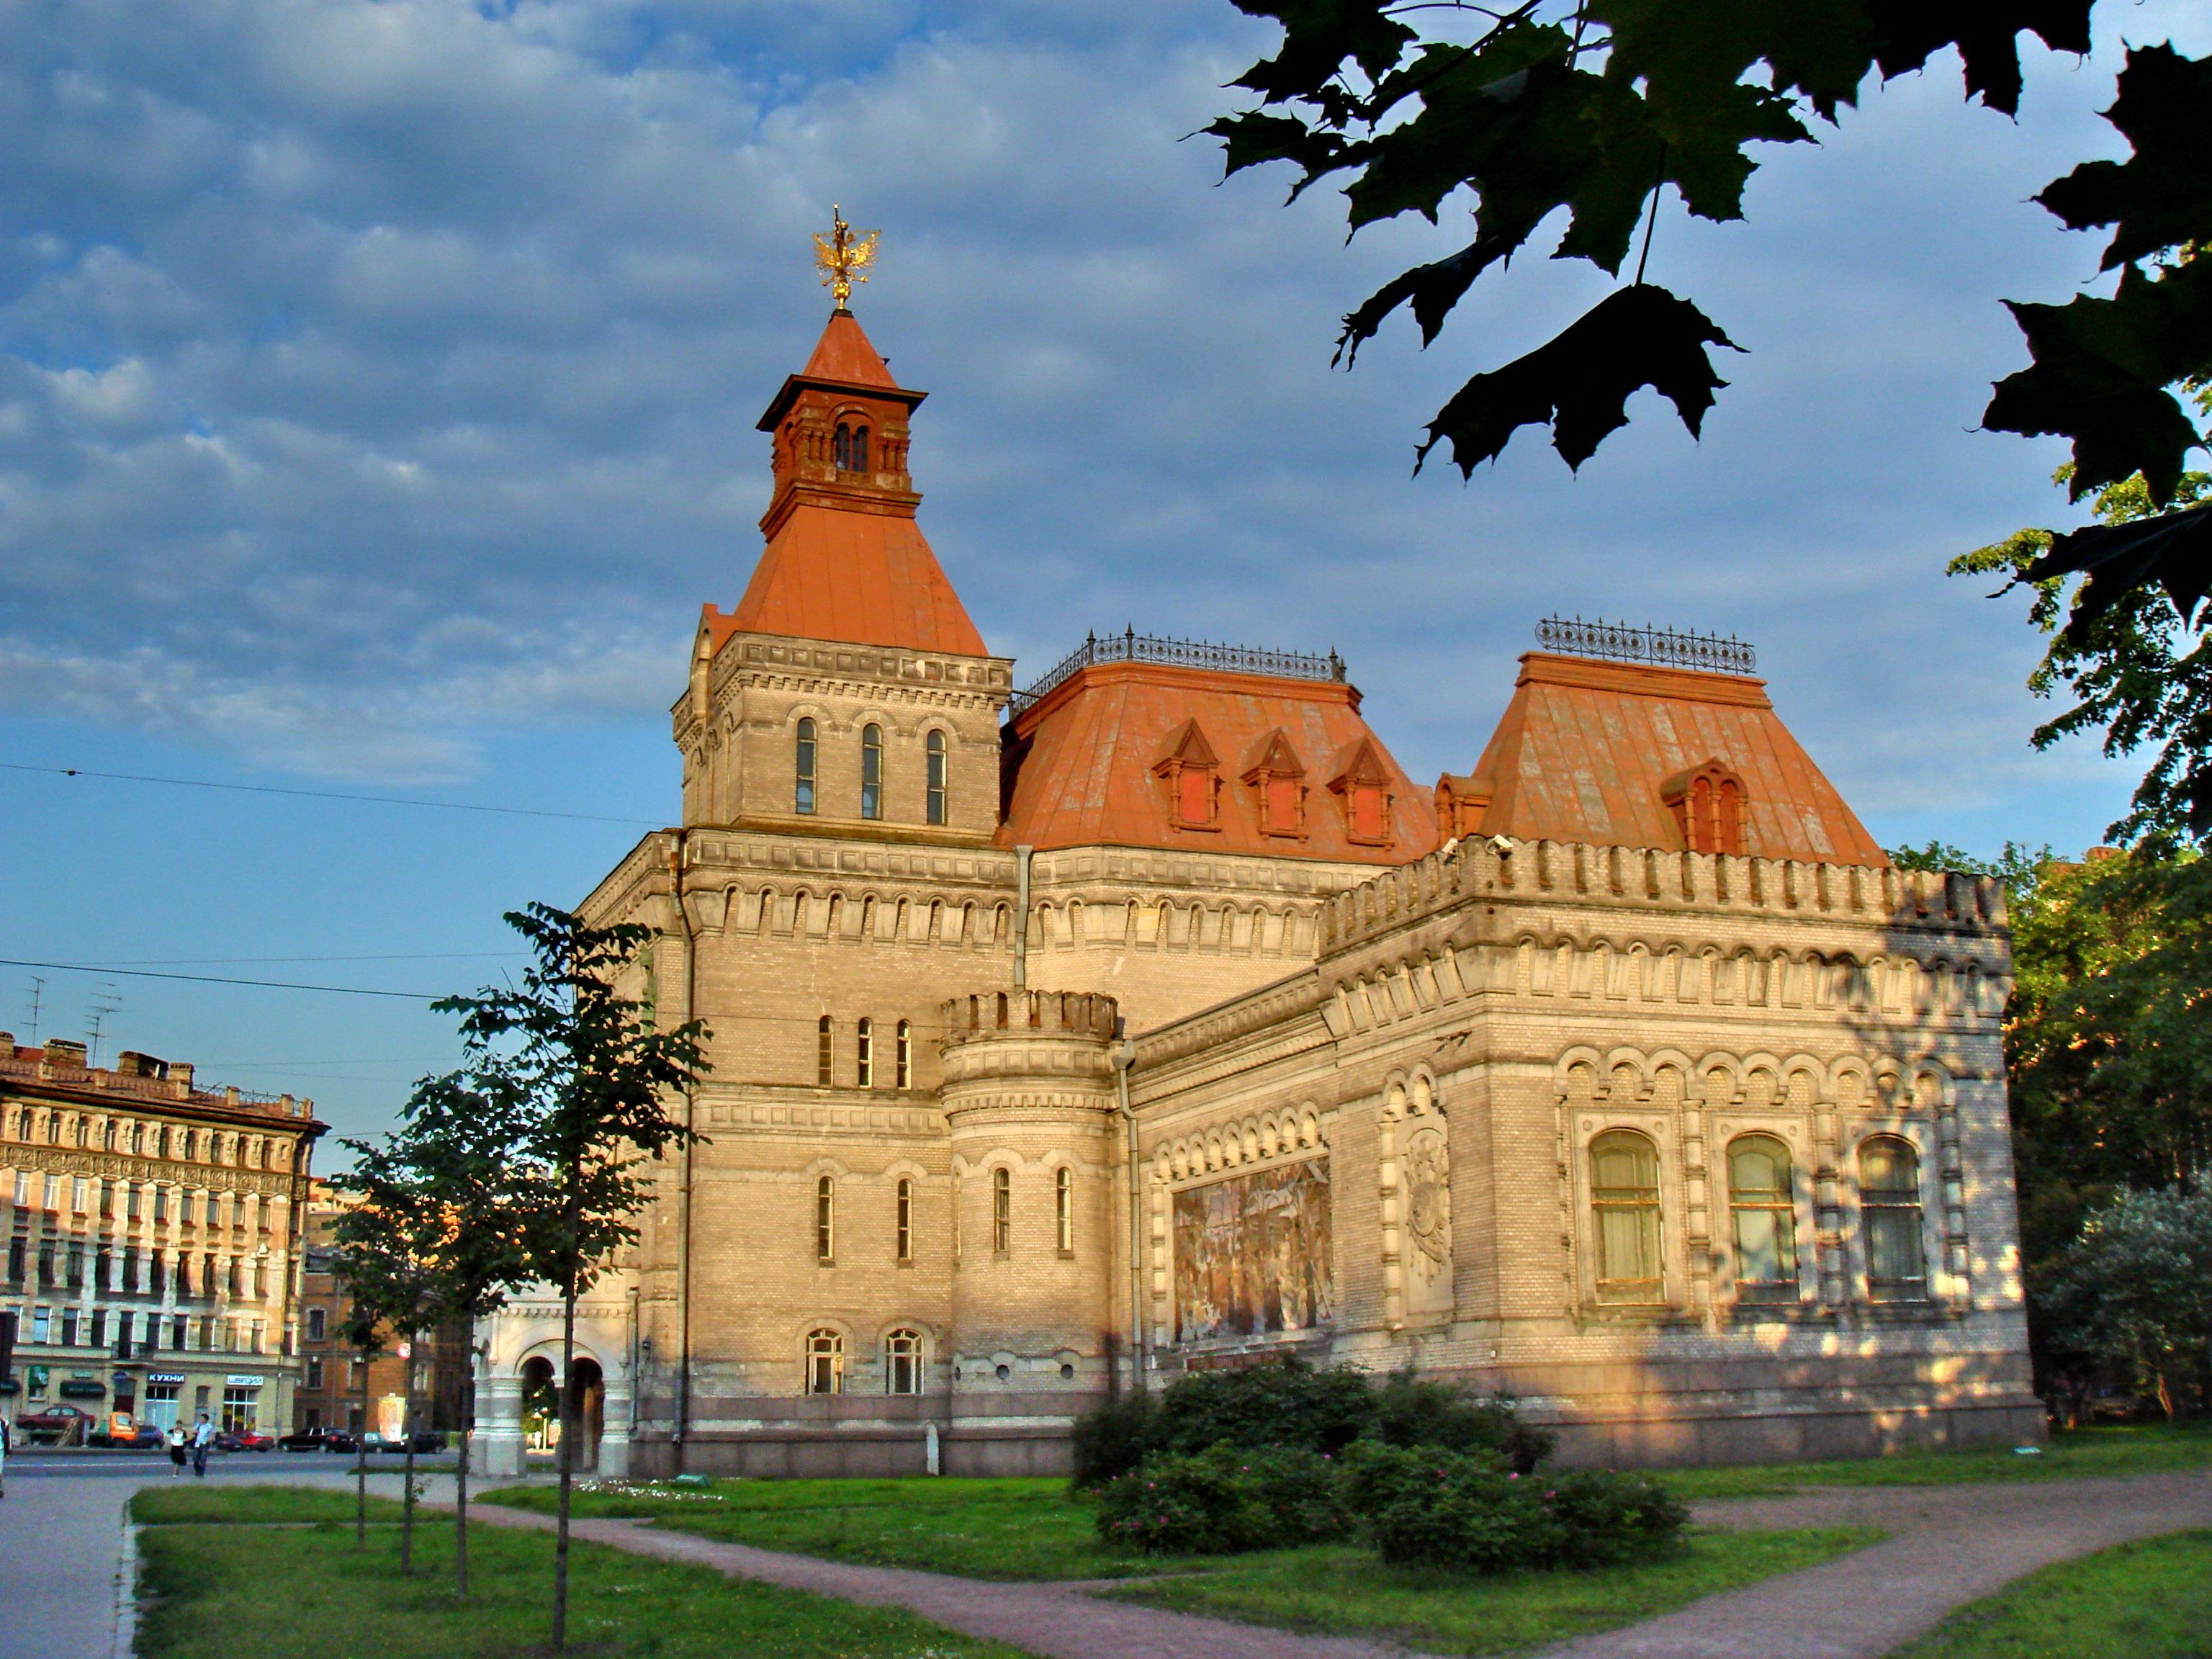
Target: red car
246 1440
66 1422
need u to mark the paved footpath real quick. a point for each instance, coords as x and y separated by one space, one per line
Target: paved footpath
1947 1545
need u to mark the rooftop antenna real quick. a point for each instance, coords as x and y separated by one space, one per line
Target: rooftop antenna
38 994
105 1002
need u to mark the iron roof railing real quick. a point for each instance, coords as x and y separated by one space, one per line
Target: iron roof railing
1130 646
1665 648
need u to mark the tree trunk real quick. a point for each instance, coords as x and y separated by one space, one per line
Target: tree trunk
361 1464
407 1429
461 1475
567 1459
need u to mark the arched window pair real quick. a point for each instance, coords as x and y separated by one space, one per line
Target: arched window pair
864 1055
1762 1209
905 1361
850 447
806 762
1002 1210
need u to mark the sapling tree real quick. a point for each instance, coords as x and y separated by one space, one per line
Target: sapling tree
591 1076
359 1330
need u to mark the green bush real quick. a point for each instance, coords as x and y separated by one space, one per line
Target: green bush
1223 1500
1435 1507
1413 1411
1113 1440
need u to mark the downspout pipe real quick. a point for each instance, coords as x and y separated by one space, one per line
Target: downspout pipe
1123 1056
680 1428
1022 855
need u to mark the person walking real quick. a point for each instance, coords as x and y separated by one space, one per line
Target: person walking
4 1455
203 1442
179 1450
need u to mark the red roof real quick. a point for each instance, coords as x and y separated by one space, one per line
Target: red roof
846 355
832 572
1587 750
1093 758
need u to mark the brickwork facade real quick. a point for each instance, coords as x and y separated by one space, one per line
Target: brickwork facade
1153 1019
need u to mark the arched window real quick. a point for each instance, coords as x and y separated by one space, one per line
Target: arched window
902 1362
905 1054
825 1053
905 1225
872 771
851 447
864 1053
1002 1210
804 765
939 762
1063 1209
1889 1211
1624 1212
825 1361
1763 1210
825 1219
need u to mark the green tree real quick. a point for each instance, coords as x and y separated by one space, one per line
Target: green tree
2134 1293
452 1178
2134 656
1597 109
590 1075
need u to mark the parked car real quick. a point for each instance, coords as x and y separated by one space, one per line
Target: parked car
120 1429
246 1440
64 1423
316 1439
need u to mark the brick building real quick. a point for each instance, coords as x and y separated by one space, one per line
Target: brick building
1152 1016
152 1228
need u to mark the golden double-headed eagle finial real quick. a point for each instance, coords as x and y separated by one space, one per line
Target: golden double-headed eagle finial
843 258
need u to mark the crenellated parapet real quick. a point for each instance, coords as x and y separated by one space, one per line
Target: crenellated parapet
1500 867
1018 1048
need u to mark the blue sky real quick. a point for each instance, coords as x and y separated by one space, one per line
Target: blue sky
377 386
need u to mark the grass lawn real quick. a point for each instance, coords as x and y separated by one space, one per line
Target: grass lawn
239 1592
1337 1590
2116 1450
2150 1599
229 1505
987 1529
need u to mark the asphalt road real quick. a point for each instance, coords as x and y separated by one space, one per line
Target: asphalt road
64 1584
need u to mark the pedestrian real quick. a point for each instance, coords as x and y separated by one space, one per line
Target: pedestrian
203 1441
179 1450
3 1456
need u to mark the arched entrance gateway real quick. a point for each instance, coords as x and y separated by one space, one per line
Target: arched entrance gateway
519 1412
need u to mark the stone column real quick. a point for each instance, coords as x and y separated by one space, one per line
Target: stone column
615 1414
496 1447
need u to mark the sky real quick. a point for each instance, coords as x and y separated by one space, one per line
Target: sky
377 391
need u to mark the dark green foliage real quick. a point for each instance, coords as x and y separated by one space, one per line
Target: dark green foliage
1415 1411
1583 112
1222 1501
1427 1506
1112 1440
1580 383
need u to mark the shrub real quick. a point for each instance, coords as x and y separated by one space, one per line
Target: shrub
1411 1411
1431 1506
1113 1439
1223 1500
1283 1402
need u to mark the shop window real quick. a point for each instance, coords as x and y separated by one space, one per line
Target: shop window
825 1361
1889 1213
939 770
1624 1168
902 1362
1763 1211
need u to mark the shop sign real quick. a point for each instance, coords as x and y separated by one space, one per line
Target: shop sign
78 1389
164 1376
38 1378
244 1382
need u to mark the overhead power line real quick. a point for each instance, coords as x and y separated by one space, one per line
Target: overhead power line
328 794
211 979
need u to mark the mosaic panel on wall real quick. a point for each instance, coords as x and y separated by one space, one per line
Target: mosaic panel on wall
1252 1253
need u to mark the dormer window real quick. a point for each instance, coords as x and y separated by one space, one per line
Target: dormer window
851 446
1193 776
1708 804
1277 781
1361 783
